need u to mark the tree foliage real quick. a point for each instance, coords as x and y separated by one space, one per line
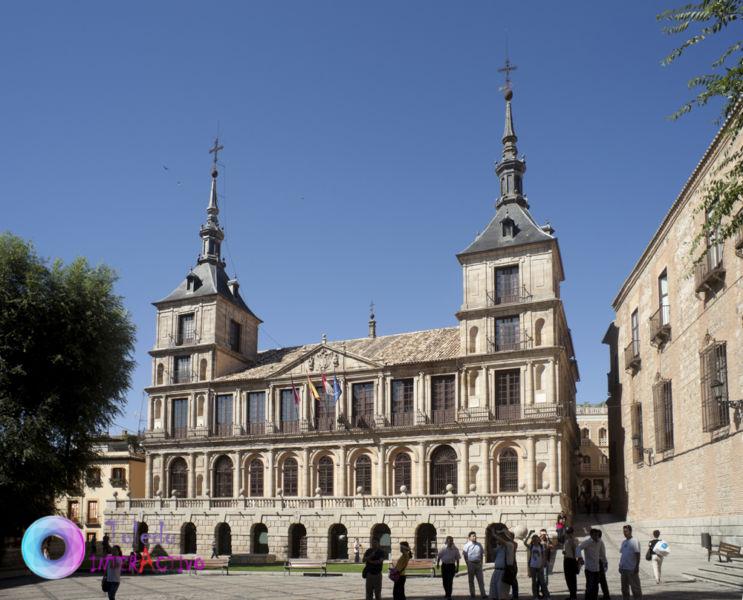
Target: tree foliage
66 348
697 22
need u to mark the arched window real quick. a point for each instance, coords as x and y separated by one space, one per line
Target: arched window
160 373
223 534
443 470
200 406
585 434
199 485
325 476
202 369
178 478
156 410
538 332
338 542
472 377
364 474
382 534
587 461
539 378
156 485
255 477
403 475
188 538
425 541
473 340
602 437
223 477
297 541
508 475
260 539
290 477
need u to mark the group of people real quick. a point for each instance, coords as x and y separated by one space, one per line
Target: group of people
589 554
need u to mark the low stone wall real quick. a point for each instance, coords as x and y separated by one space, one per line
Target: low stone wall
728 528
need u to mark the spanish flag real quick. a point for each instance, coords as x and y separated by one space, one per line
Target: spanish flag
313 389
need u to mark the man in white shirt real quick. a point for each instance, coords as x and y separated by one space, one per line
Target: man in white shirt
449 558
473 557
591 553
629 565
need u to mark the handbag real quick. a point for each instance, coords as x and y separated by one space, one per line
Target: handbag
509 575
364 571
394 574
105 585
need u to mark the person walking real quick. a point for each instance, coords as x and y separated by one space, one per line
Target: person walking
398 590
449 558
498 588
106 543
604 567
537 561
473 555
113 572
656 559
373 561
356 551
629 565
570 563
591 552
214 549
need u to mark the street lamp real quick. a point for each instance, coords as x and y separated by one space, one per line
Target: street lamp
719 392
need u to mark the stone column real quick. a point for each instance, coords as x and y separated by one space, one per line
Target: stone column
270 406
192 475
388 398
307 470
381 459
148 491
464 468
270 475
342 491
531 464
422 469
485 488
553 464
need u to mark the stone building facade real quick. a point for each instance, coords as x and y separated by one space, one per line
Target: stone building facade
118 472
593 458
297 451
676 358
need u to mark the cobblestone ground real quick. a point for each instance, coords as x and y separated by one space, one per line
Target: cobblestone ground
264 586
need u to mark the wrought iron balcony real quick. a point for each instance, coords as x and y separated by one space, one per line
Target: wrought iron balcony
180 432
187 377
223 430
289 426
256 428
508 412
520 341
660 326
443 415
709 273
403 419
632 356
325 423
362 421
510 296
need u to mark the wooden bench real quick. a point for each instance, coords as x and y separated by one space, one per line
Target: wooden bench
304 564
222 563
729 551
419 564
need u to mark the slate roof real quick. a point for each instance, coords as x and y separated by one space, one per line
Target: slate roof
526 230
214 280
398 349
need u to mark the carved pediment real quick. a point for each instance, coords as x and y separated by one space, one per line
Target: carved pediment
327 359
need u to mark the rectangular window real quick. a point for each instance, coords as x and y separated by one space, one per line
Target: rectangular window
235 331
714 369
92 512
362 405
186 329
663 413
118 477
182 369
223 416
507 334
180 417
324 410
663 301
402 402
256 412
443 399
289 422
507 285
508 394
635 334
637 439
73 511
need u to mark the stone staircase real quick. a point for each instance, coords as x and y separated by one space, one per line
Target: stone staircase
728 574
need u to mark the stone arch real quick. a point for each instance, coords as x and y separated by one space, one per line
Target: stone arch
338 542
259 539
444 463
289 470
472 345
222 473
297 541
255 476
362 474
508 471
188 538
425 541
141 529
223 535
178 477
381 532
472 380
402 472
160 373
326 475
539 378
202 369
602 437
539 332
157 408
200 405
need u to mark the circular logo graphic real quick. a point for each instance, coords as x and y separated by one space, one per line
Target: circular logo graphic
74 551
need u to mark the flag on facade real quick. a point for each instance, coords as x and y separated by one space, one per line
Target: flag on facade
297 400
313 389
337 390
326 386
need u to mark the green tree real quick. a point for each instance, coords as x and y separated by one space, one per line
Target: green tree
66 348
698 22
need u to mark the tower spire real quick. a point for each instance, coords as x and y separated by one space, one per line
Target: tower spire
511 168
211 233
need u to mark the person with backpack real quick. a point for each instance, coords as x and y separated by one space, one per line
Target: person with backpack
656 559
537 561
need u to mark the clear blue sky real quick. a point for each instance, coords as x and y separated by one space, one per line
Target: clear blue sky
359 147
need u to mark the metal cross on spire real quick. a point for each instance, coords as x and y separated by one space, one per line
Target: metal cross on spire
507 68
215 150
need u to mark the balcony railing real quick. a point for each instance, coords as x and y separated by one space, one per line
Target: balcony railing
188 377
118 482
256 428
326 423
443 415
521 341
362 421
511 296
660 326
709 272
180 432
507 412
632 356
223 430
289 426
403 419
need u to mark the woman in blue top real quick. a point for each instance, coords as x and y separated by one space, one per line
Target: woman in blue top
498 589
